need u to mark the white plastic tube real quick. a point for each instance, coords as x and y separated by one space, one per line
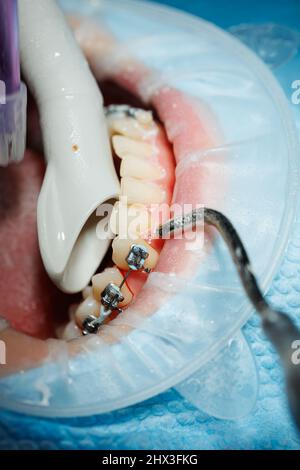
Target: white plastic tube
80 172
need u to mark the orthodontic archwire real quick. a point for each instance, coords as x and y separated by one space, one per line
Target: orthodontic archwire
278 327
112 296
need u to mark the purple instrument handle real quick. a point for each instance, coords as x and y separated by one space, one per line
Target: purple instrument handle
9 46
13 93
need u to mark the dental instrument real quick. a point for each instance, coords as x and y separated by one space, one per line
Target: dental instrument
13 92
80 174
278 326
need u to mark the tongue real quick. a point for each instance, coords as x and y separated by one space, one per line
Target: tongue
28 300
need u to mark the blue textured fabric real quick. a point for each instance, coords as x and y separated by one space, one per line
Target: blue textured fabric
167 421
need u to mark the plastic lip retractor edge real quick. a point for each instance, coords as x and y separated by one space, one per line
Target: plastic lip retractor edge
278 326
12 125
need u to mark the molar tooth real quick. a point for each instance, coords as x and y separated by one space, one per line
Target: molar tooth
139 168
113 275
130 127
144 117
123 146
121 249
90 306
141 192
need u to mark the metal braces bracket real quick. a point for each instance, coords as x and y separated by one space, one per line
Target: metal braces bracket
111 296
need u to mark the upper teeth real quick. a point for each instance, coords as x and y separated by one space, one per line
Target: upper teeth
141 191
138 156
124 146
133 140
139 168
130 127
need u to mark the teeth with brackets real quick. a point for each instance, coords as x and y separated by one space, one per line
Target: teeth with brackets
111 296
132 141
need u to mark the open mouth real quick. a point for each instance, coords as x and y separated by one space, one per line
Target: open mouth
159 129
181 301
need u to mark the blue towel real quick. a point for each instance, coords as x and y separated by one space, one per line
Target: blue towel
168 421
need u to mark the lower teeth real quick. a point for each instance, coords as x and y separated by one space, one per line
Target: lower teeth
111 297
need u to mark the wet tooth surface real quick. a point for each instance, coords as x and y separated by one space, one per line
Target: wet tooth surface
141 192
144 117
90 306
71 331
124 146
139 168
130 127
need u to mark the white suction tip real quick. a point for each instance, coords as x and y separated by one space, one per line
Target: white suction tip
80 171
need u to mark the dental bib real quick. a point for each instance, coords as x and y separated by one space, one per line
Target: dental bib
192 342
